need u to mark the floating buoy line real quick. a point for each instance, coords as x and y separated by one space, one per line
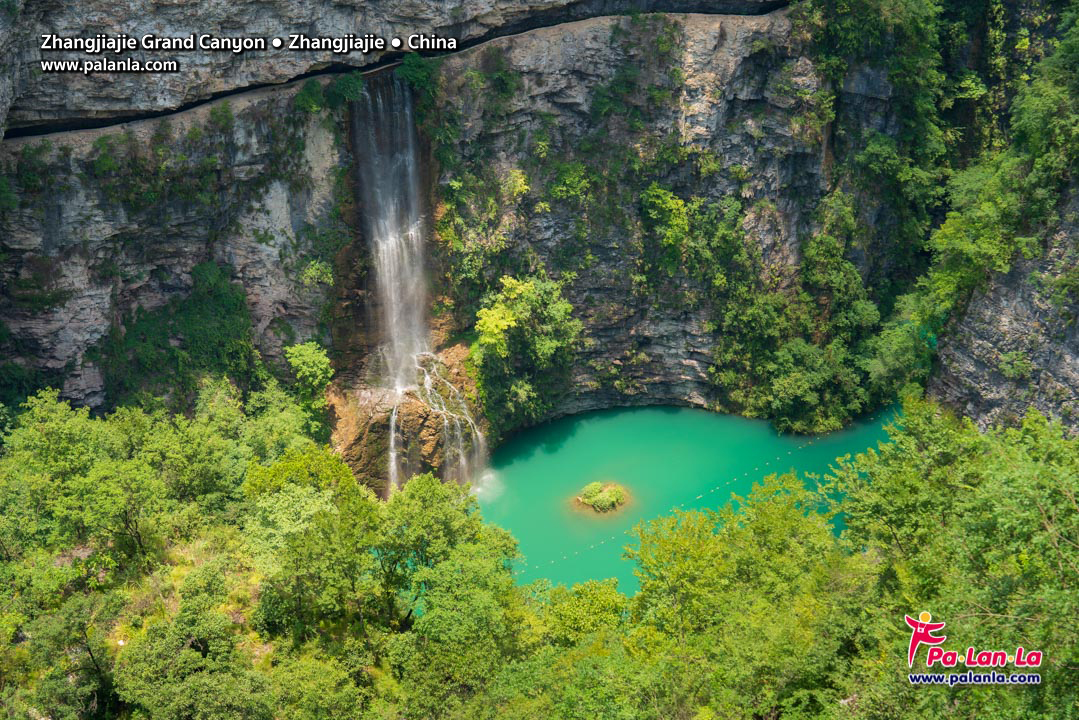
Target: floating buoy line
679 506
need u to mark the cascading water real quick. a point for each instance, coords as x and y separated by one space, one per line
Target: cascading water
388 175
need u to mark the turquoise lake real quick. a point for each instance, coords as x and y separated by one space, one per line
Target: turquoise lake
666 457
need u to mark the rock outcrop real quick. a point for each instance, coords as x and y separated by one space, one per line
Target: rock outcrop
16 25
1017 345
50 98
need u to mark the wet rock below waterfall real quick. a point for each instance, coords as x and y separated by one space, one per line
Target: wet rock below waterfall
362 435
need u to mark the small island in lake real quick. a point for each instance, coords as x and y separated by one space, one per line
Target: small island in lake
603 497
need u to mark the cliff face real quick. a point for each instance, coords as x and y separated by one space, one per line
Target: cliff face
16 24
714 107
49 98
1017 345
731 101
735 94
114 219
111 220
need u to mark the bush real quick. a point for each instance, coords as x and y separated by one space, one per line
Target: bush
344 89
166 350
422 76
1016 365
8 199
317 272
591 490
527 335
32 167
310 99
313 372
312 369
602 498
664 217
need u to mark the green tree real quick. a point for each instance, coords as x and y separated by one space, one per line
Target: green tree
979 529
313 372
665 218
70 647
344 89
754 604
313 536
572 615
465 628
314 687
188 667
527 336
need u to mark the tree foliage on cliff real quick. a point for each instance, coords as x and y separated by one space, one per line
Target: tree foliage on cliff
526 335
167 349
792 349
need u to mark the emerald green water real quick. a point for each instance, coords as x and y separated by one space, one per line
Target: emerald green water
666 457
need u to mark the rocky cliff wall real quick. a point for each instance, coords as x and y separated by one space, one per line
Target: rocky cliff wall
16 25
1017 345
724 113
57 97
107 221
731 111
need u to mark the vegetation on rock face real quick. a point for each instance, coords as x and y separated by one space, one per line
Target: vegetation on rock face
344 89
1002 206
602 497
311 98
422 75
792 349
314 97
792 354
195 168
814 346
167 349
188 182
526 335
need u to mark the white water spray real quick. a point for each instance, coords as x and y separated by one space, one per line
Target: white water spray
386 150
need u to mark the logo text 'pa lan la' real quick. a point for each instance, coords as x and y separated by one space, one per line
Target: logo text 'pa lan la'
922 633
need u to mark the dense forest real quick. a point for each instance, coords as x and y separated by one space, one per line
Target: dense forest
226 566
198 551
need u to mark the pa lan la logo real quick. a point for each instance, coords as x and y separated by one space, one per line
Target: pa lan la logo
923 633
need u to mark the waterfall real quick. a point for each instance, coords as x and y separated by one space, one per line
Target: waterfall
388 178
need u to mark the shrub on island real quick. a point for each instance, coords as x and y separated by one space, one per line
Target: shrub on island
602 497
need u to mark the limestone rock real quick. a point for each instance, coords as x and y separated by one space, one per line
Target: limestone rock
742 77
87 260
17 20
56 97
1017 345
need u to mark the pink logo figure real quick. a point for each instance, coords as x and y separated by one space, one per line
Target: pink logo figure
922 634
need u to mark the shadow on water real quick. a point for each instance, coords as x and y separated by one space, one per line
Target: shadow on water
552 436
546 438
